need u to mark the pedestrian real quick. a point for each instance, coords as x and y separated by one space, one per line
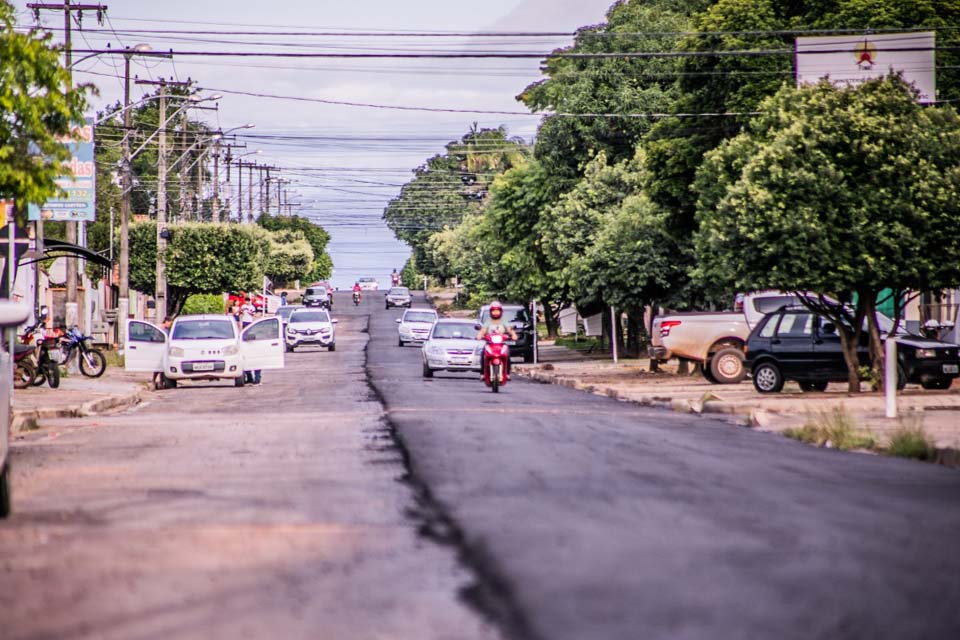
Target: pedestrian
283 299
165 325
235 311
247 311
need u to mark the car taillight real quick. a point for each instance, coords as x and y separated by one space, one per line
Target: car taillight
666 326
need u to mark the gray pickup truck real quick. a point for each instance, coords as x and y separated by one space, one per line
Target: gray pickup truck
715 339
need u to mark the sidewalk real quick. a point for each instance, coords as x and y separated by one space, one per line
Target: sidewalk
77 395
631 380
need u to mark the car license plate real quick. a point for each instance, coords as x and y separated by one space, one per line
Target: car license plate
951 368
203 366
460 360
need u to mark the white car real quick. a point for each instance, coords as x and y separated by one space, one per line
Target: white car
368 284
310 326
452 346
415 325
203 347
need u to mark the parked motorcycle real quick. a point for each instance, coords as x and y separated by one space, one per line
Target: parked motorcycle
356 298
92 362
46 352
24 370
496 357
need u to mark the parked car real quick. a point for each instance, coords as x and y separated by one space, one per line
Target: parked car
310 326
415 325
203 347
316 297
398 297
452 346
369 284
793 343
715 339
517 317
284 313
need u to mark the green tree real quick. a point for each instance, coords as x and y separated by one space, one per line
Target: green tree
290 258
36 112
842 192
321 266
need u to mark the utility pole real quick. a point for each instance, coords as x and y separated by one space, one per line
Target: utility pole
215 212
71 307
250 166
160 293
240 191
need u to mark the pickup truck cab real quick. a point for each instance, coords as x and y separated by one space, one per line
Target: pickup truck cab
203 347
715 339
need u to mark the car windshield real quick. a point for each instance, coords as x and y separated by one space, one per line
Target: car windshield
284 312
316 292
399 291
453 330
510 314
310 316
419 316
204 330
366 279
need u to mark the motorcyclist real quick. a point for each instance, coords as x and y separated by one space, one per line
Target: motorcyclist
395 278
356 291
496 324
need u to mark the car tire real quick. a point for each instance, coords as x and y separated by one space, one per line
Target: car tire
167 383
901 378
332 347
767 378
240 380
727 367
289 348
708 375
427 371
6 504
400 342
936 383
528 358
819 385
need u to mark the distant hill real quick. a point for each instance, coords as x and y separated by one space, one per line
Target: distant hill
550 15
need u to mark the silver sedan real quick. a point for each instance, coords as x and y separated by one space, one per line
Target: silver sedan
452 346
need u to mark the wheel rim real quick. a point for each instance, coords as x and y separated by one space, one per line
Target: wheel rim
766 378
729 366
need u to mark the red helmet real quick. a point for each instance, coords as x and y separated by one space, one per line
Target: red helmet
496 310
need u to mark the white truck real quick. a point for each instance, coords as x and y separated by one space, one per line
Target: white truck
715 339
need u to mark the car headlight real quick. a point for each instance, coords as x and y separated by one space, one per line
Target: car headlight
231 350
291 330
926 353
175 352
435 351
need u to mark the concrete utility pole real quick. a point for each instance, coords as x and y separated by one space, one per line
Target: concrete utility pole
215 212
72 315
160 292
250 166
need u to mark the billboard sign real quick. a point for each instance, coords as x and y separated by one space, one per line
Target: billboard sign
850 60
79 200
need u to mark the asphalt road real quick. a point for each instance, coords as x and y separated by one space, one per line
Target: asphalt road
588 518
278 511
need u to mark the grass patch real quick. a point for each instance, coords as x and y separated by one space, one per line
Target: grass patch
910 440
583 343
834 429
113 358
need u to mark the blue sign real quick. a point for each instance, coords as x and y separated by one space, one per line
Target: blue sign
79 201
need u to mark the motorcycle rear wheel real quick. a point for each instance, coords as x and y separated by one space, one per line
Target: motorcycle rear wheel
92 363
23 374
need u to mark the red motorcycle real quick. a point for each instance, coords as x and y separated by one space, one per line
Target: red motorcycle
496 357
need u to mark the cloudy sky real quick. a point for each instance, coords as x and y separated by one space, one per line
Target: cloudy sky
346 161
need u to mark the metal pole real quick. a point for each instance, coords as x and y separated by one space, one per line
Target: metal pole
239 191
613 332
536 342
250 192
890 376
200 186
160 294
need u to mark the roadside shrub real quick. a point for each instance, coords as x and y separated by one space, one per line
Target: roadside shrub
910 440
833 429
204 303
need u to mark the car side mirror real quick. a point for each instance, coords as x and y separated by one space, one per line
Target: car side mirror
334 321
398 320
829 328
478 327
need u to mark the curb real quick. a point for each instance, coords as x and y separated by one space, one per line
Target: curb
750 417
29 419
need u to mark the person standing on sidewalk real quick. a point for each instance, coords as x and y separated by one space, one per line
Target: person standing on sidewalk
247 311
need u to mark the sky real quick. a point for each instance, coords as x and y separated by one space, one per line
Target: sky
345 162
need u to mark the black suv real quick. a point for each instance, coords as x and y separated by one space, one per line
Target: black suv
316 297
517 317
797 344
